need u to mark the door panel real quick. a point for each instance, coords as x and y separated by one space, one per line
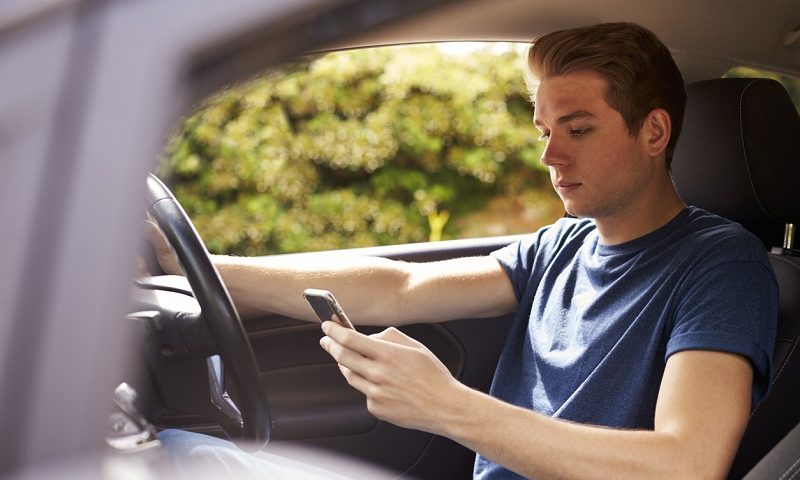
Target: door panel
308 396
312 402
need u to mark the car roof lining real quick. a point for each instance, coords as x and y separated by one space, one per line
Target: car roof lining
706 37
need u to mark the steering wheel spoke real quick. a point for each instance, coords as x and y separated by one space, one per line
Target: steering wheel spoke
219 395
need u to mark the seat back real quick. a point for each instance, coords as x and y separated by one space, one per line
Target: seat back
739 157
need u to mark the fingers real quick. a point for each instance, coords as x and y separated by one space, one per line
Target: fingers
394 335
355 380
373 346
164 254
141 268
150 228
345 357
364 359
351 339
155 235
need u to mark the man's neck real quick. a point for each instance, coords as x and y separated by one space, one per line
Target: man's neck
642 219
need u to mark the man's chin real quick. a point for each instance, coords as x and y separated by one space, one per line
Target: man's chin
577 212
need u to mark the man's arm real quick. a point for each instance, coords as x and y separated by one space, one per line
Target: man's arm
701 413
372 290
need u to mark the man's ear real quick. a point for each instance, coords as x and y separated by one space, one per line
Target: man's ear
655 132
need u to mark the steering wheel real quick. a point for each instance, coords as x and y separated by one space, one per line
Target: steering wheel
247 424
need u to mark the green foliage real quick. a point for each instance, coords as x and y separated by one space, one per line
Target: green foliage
358 148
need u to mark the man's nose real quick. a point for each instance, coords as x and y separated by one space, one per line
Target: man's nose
552 154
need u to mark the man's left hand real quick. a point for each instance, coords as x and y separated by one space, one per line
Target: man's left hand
403 381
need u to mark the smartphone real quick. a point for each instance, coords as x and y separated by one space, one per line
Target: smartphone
326 307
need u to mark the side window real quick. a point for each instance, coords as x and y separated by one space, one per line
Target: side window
365 147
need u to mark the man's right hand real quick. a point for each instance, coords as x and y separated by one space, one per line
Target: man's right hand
164 253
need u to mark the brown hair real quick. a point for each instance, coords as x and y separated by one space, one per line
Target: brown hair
638 68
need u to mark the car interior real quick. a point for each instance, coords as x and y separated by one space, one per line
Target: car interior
736 157
741 174
187 359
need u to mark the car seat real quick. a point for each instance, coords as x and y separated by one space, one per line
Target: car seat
739 157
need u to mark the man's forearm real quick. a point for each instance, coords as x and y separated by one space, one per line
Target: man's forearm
372 290
263 285
537 446
700 417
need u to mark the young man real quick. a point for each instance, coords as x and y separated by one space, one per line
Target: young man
635 351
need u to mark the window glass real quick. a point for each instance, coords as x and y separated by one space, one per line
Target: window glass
365 147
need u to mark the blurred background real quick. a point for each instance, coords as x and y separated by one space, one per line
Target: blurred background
366 147
369 147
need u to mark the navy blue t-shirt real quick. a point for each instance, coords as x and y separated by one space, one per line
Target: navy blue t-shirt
596 323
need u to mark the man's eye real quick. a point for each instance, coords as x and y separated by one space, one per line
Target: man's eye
579 132
544 137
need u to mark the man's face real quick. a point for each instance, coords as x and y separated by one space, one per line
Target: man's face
597 167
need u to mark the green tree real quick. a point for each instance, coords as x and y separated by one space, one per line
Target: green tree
360 148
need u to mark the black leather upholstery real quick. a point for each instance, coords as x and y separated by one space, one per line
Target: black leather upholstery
739 154
781 462
780 411
739 157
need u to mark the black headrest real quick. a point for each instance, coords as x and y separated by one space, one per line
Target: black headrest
739 154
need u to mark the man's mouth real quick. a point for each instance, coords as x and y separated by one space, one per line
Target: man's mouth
563 186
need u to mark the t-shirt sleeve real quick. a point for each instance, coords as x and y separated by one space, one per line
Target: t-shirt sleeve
528 257
517 261
731 307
